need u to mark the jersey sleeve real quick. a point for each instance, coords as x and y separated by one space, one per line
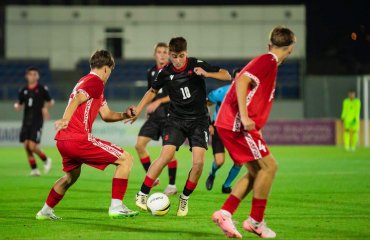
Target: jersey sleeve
206 66
160 80
344 112
92 89
21 97
148 78
259 67
47 96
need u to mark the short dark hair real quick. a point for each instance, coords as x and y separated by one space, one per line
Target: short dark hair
282 36
160 44
351 90
236 71
32 68
178 44
101 58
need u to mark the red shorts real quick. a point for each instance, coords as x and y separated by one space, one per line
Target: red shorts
243 146
94 152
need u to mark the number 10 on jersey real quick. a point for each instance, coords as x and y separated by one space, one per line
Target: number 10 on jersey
185 93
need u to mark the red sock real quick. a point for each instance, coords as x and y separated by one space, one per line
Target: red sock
172 164
43 156
119 187
32 163
147 185
258 209
145 162
189 187
53 198
231 204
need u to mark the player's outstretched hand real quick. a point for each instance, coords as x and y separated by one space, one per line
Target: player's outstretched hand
200 71
131 111
153 106
61 124
248 124
131 120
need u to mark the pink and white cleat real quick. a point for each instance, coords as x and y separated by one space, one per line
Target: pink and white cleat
224 221
260 229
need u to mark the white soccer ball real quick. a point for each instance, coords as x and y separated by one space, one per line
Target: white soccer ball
158 204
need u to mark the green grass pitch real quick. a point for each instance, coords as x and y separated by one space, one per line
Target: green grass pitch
319 193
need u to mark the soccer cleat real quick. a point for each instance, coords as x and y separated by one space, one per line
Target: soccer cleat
209 182
260 229
47 165
120 212
170 190
48 215
183 209
156 182
226 224
226 189
141 200
35 173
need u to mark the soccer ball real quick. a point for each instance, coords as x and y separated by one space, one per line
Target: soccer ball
158 204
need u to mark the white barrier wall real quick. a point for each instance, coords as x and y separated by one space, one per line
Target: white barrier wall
117 133
67 34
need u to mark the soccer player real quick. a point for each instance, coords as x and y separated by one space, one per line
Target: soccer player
36 100
188 116
351 120
154 125
242 115
78 146
216 97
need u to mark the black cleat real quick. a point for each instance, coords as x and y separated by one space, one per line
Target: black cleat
226 189
209 183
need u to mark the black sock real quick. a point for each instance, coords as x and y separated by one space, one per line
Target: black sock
172 175
146 166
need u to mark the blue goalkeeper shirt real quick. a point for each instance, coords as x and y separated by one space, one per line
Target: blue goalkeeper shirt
216 97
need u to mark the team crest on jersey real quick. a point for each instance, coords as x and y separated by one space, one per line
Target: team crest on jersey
190 72
171 76
153 73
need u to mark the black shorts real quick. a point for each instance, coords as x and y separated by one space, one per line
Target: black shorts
30 133
153 128
217 145
177 130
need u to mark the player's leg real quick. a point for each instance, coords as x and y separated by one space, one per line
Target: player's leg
172 169
346 134
223 217
119 186
261 189
34 147
192 181
143 154
31 159
56 194
219 158
354 141
155 169
233 173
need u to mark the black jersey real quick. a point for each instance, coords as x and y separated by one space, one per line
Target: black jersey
162 110
33 100
186 89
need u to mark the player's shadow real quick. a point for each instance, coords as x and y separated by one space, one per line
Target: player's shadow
108 227
85 209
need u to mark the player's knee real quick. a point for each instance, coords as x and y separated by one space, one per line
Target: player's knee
197 167
139 147
272 167
126 160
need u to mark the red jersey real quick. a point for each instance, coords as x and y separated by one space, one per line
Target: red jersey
80 125
260 94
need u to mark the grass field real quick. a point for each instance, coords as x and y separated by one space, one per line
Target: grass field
319 193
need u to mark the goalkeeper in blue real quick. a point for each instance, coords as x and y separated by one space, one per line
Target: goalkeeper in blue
216 97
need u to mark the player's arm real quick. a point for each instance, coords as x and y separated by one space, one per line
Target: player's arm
242 84
18 105
154 105
344 110
148 97
111 116
222 74
78 99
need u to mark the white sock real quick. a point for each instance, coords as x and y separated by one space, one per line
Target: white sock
116 203
184 197
172 186
226 213
46 208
